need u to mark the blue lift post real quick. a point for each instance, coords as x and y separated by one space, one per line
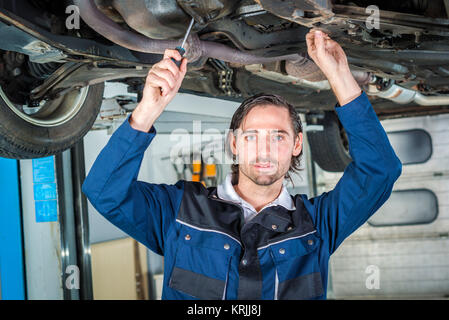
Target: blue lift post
12 275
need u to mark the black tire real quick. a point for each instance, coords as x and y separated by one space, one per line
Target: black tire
329 147
20 139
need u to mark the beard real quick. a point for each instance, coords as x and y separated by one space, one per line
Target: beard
262 179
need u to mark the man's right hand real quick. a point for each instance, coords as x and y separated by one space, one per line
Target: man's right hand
162 84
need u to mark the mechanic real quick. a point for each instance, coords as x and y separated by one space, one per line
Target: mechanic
247 238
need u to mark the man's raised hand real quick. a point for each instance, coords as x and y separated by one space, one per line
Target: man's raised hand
162 84
332 60
326 53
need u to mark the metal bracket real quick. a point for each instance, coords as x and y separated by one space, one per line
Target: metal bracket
304 12
225 75
204 11
73 75
64 71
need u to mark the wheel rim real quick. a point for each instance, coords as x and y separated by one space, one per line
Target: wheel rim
63 109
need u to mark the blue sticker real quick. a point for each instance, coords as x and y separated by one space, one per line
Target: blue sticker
45 190
46 211
44 170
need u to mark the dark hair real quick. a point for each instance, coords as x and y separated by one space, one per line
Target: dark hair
263 99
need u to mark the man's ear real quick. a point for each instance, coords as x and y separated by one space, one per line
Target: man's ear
233 142
298 145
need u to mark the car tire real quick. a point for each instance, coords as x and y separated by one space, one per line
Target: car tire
24 139
329 146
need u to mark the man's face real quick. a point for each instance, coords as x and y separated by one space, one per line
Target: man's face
265 144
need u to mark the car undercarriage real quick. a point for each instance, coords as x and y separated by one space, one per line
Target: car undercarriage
398 51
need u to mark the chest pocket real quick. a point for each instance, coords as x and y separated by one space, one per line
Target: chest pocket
297 269
201 267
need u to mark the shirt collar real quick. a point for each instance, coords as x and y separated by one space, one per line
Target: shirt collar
227 192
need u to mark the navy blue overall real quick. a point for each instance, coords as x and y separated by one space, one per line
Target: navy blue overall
209 252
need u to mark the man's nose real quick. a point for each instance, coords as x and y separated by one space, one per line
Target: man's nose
264 147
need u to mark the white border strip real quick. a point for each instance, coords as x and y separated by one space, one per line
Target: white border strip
286 240
209 230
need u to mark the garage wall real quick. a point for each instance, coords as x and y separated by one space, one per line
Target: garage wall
408 260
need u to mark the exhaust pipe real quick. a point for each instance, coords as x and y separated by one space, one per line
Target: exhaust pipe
196 48
403 95
306 69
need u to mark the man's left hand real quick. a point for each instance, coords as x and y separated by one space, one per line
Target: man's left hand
332 60
326 53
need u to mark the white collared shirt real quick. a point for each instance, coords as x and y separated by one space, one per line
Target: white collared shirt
226 191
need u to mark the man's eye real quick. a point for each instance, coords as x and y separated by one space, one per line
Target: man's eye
250 138
278 137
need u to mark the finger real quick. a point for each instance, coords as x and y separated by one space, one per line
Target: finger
171 53
167 75
334 46
313 30
311 37
309 40
183 68
157 82
171 66
310 44
342 55
319 43
330 45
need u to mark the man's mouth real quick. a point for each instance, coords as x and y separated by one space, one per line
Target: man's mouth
263 165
